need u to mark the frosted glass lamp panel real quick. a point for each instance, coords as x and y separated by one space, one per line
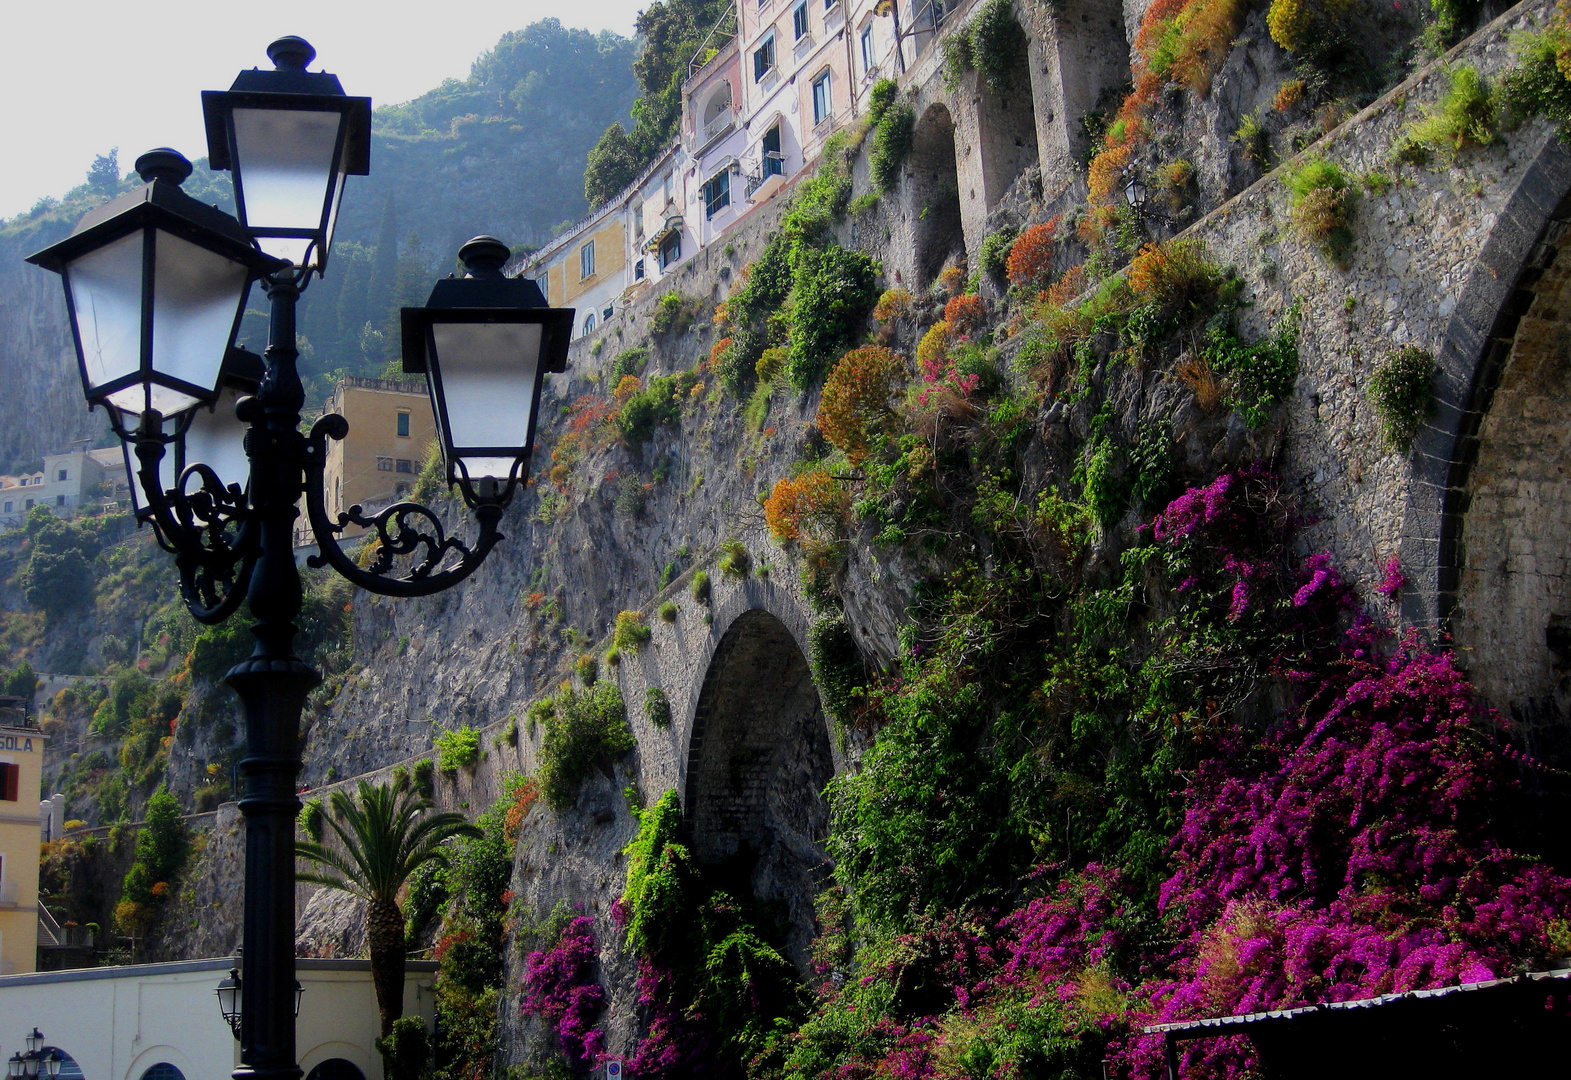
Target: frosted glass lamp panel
320 256
106 293
284 158
487 375
163 400
216 438
478 468
197 294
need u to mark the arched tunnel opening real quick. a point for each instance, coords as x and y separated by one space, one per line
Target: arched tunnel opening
758 762
935 193
1506 535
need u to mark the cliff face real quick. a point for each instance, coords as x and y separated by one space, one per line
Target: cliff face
41 406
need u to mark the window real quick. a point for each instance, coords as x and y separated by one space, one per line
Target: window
163 1071
764 58
799 20
668 187
774 160
638 270
586 260
589 323
606 314
821 103
10 507
29 505
336 1069
544 281
61 475
384 464
404 465
59 500
401 491
403 425
670 250
717 193
10 783
867 49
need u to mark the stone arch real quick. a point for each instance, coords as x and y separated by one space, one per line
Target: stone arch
332 1060
1488 520
758 760
1007 127
935 193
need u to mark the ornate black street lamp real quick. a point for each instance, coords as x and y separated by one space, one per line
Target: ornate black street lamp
156 283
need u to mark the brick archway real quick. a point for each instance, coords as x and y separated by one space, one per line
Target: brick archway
758 760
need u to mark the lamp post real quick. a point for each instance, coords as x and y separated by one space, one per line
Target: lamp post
155 284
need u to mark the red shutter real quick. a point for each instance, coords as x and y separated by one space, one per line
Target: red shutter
12 783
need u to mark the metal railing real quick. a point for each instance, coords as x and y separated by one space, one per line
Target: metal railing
773 163
720 35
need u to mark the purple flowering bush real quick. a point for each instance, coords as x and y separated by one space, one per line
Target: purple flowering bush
560 988
1225 788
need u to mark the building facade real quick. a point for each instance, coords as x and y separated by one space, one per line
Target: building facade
21 777
772 81
67 482
161 1021
391 428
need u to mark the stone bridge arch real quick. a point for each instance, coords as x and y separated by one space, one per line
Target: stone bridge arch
758 759
933 193
1487 532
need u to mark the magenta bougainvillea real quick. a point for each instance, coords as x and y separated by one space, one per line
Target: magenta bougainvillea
560 988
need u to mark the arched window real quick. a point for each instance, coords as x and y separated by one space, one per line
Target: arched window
336 1069
162 1071
589 323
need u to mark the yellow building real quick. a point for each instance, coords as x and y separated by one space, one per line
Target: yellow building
390 429
586 268
21 777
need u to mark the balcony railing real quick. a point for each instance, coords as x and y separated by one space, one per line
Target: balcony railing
773 165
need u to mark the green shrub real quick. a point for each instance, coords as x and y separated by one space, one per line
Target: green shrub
991 44
1402 391
673 314
1322 207
1463 118
659 874
1262 373
631 632
613 657
582 729
457 748
668 611
587 669
734 559
700 586
1535 86
892 137
406 1049
836 664
657 707
424 778
880 98
628 362
643 412
833 290
994 258
310 820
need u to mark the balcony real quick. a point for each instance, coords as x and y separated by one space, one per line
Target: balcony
773 170
720 35
714 133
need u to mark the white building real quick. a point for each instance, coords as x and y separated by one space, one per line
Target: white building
161 1021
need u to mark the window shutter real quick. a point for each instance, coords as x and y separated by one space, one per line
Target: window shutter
12 783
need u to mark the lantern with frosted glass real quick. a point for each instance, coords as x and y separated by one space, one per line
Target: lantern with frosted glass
485 343
209 435
155 284
289 137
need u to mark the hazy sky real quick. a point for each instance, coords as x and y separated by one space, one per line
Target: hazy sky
82 76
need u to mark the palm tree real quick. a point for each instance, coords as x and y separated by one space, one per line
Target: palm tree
386 833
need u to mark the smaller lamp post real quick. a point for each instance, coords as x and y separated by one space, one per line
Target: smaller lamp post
1135 195
52 1063
14 1067
229 999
